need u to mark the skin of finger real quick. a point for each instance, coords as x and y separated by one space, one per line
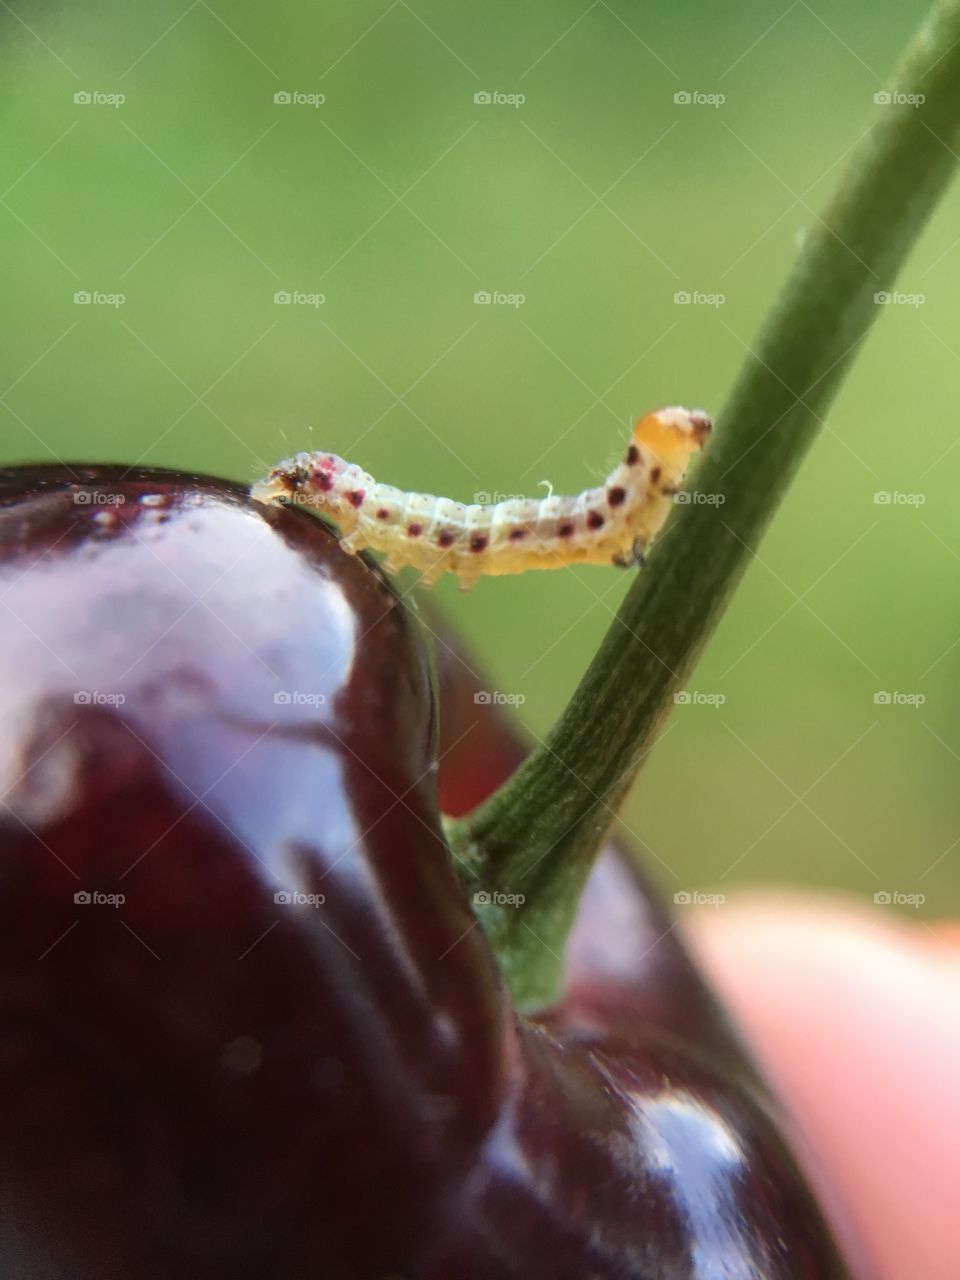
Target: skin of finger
854 1016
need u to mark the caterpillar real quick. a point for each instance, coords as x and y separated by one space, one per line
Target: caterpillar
611 524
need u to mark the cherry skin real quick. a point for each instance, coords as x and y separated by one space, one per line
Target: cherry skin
249 1026
204 1078
634 998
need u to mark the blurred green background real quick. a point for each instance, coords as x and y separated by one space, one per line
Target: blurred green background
598 198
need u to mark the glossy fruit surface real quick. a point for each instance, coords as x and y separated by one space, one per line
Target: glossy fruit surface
249 1026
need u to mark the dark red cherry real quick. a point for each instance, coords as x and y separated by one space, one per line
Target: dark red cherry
721 1196
249 1024
246 1026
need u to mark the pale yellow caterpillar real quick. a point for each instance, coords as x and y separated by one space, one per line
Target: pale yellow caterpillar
612 524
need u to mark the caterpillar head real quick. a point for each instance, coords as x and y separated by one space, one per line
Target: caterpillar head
273 489
280 485
307 478
672 434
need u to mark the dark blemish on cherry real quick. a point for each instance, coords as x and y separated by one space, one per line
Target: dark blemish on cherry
325 481
517 535
479 542
616 496
566 531
655 474
633 456
595 520
356 498
446 538
414 530
383 514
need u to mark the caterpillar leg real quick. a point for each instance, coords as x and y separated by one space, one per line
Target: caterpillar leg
438 565
429 576
353 542
634 558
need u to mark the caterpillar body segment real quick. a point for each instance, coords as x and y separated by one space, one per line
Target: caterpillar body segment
613 523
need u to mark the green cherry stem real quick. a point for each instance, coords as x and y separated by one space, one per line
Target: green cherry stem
539 834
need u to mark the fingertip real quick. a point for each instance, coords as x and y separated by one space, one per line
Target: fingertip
854 1016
